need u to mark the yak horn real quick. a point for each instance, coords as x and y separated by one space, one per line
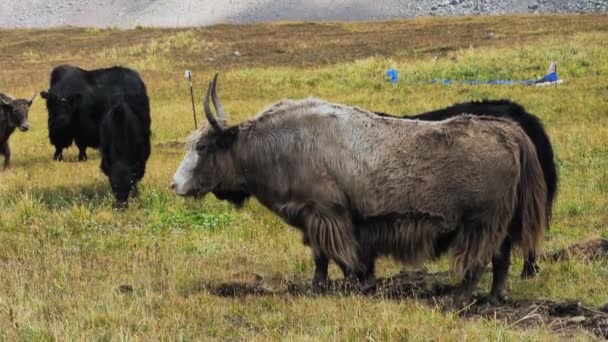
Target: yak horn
216 101
32 98
208 112
3 101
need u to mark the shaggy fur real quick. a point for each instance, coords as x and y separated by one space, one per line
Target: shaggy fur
13 115
77 101
125 148
533 128
354 182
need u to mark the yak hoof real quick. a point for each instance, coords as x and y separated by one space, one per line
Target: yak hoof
318 288
82 158
498 299
58 157
529 271
368 285
319 284
456 303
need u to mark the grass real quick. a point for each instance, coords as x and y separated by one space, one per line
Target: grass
64 253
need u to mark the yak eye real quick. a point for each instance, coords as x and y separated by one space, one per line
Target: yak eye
204 147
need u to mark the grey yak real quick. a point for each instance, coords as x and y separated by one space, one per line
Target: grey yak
359 185
13 114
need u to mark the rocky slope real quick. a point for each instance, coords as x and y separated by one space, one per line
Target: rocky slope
130 13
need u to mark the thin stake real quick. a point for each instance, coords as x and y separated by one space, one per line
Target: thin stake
189 77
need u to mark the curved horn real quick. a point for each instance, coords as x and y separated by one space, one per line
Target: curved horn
3 101
208 112
216 101
32 98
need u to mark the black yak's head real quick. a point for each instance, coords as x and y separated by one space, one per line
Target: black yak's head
61 107
18 111
208 165
122 182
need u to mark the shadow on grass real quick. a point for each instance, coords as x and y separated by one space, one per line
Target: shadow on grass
434 290
95 194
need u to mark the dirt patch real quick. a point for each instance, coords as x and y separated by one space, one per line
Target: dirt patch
589 250
434 289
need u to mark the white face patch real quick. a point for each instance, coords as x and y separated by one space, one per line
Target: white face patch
183 179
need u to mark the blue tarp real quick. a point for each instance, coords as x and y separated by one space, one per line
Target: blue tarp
550 78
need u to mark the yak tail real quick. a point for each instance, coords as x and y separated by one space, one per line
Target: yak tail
530 220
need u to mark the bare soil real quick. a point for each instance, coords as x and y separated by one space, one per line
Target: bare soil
434 290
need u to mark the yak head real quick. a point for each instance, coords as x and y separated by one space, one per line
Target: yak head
122 181
18 111
61 107
208 165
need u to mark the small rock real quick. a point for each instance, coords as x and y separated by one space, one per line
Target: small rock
125 288
533 7
237 53
577 319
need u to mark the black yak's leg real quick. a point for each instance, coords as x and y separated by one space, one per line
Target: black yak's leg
4 149
82 153
58 154
500 271
530 267
319 280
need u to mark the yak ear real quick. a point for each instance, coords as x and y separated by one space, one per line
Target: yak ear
44 94
227 137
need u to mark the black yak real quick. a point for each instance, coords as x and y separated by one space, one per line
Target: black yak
357 183
78 99
125 146
13 115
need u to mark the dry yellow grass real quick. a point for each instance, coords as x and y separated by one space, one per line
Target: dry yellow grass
64 253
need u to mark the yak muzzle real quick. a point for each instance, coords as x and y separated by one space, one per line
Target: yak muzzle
24 127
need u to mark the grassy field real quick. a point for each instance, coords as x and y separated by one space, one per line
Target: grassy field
72 268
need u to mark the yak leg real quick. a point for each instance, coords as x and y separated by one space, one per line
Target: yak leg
320 279
366 275
58 154
500 271
530 267
4 149
82 153
465 291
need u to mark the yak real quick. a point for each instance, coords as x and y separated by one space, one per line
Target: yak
13 115
125 147
356 183
78 99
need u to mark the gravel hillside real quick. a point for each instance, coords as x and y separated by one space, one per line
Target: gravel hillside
130 13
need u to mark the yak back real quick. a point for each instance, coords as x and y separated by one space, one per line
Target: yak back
503 108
